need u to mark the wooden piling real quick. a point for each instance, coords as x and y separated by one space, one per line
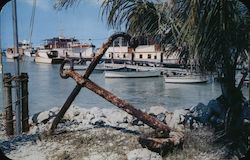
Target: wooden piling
8 114
25 102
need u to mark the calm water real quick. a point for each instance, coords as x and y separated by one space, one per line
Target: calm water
47 90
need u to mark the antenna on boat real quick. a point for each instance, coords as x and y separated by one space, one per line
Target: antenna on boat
17 61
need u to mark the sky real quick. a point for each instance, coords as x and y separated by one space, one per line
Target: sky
82 21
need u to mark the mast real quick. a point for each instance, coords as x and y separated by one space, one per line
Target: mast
17 62
1 56
32 22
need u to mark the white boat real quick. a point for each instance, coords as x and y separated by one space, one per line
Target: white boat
23 48
10 53
29 52
27 49
186 79
43 60
69 47
47 56
131 73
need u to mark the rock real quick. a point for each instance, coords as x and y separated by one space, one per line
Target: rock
115 117
43 117
136 122
102 155
173 119
98 122
161 117
143 154
157 110
98 112
72 112
34 118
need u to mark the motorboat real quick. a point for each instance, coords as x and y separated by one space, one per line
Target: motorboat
131 73
186 79
48 56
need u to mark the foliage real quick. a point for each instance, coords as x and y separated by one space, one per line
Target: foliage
211 28
212 32
60 4
215 30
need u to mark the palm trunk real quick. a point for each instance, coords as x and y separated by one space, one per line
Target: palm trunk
233 97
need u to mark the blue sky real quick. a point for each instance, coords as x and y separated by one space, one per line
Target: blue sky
81 21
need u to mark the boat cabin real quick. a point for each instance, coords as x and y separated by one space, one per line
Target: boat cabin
69 47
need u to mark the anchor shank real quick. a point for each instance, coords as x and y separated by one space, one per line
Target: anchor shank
122 104
65 107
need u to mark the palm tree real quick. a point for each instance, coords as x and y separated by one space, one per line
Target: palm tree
215 31
217 34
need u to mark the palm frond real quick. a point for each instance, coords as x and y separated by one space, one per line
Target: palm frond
60 4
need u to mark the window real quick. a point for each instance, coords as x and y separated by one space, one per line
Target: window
140 56
149 56
155 57
124 55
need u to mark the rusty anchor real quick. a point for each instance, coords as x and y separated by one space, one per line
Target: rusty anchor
84 81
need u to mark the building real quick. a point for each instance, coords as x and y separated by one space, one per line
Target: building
146 52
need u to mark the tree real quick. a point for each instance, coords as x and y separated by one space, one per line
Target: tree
216 33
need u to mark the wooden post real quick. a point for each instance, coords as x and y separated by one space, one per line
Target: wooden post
8 104
25 101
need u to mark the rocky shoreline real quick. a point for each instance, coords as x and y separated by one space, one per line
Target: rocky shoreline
95 133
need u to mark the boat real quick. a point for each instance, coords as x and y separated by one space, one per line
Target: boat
131 73
48 56
186 79
100 68
26 48
10 54
69 47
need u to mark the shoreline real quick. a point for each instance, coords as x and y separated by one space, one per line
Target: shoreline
97 133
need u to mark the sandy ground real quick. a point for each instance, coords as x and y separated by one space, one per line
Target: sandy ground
92 135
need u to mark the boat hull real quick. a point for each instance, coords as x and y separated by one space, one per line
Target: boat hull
186 79
48 60
139 74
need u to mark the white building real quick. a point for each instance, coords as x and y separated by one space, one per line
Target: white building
144 53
